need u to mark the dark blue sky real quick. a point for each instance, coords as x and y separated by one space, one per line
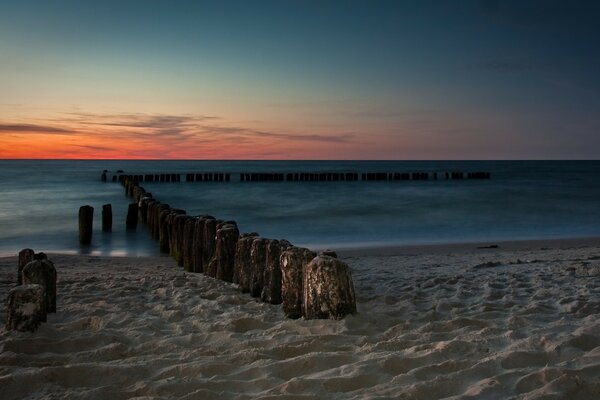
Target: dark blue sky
422 79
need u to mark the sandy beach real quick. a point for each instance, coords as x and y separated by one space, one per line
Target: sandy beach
515 322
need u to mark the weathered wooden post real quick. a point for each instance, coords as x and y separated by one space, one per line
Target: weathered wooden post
132 217
25 257
176 238
293 261
227 236
107 217
188 243
258 255
42 272
271 291
198 244
328 289
86 221
242 266
164 223
158 214
26 308
208 247
143 207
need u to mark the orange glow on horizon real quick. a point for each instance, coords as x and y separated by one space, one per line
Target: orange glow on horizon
140 142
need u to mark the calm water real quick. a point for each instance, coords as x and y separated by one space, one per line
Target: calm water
39 203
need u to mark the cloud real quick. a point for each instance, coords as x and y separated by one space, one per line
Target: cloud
189 128
95 148
247 132
173 136
30 128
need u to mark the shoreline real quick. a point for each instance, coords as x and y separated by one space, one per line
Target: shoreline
467 247
361 250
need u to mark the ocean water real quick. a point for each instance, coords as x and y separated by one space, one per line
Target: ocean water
39 203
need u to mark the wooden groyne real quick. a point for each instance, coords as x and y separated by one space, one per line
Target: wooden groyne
299 176
273 271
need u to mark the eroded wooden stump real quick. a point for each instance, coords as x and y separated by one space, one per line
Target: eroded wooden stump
227 236
188 244
132 217
258 255
42 272
328 289
26 308
25 257
176 238
271 291
242 266
209 244
198 246
86 221
107 217
293 262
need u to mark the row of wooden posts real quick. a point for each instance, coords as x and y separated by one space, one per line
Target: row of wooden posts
300 176
306 284
35 293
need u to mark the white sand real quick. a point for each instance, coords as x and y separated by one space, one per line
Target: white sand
479 324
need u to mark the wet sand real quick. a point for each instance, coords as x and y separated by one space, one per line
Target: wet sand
518 321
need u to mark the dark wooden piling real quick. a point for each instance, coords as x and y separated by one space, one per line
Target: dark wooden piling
86 222
223 260
157 209
208 249
198 243
25 257
258 255
107 217
188 243
293 262
166 218
132 217
42 272
26 308
243 262
271 291
143 207
328 289
176 238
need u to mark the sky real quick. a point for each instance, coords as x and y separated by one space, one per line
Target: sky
290 79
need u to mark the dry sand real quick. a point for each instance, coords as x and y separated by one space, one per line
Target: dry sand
451 323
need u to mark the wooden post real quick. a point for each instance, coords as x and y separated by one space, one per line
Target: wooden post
198 244
86 221
328 289
227 236
132 217
242 267
293 261
26 308
208 247
258 255
176 238
42 272
25 257
188 244
107 217
271 291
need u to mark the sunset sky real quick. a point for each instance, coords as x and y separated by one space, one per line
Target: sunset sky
300 79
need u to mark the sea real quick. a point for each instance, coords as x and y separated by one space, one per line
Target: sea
40 199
